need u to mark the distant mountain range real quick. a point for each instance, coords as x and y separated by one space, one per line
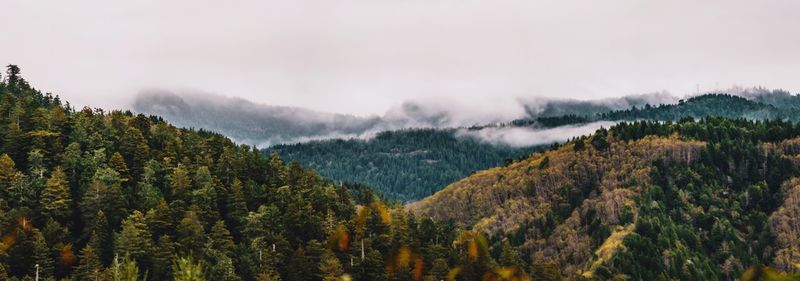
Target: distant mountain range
266 125
409 164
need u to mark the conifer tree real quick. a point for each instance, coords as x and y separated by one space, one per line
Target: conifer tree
163 258
159 220
89 265
299 266
117 162
135 241
180 183
42 255
101 240
55 200
191 235
330 267
134 148
8 174
237 208
221 239
187 269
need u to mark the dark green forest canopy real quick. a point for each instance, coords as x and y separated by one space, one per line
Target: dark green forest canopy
404 165
766 105
96 195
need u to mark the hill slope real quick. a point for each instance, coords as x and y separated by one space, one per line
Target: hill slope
646 200
96 195
403 165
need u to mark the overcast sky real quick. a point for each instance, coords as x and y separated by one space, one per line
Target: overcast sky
365 56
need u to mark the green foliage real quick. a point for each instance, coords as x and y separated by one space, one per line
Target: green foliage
403 165
187 269
678 199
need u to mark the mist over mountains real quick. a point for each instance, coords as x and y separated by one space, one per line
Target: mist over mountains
266 125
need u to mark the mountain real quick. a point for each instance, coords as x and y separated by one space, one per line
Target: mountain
408 165
403 165
693 200
249 122
756 105
92 194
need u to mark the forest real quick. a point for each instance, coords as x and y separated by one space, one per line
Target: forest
403 165
760 104
688 200
95 195
91 194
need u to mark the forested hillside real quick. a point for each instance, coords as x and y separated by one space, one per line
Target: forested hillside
761 105
96 195
692 200
403 165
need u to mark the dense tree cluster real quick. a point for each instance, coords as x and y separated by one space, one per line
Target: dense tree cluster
95 195
403 165
648 200
766 105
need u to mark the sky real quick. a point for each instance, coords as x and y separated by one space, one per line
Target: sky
366 57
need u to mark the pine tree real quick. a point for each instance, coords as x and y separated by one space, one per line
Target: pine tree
330 267
126 270
237 208
89 266
135 149
42 255
186 269
371 268
226 166
180 183
159 220
115 205
163 258
222 268
8 174
55 200
117 162
221 239
135 240
191 235
299 266
100 238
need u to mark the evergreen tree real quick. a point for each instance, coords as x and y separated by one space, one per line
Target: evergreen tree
55 200
163 258
135 149
135 241
330 267
159 220
299 266
180 183
42 256
191 235
8 174
237 208
89 266
221 239
186 269
118 164
100 238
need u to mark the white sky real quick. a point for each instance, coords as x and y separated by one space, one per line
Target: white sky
365 56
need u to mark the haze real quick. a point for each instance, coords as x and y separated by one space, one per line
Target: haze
365 57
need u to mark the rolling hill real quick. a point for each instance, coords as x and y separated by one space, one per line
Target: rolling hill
645 200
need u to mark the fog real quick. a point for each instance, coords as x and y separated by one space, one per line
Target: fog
369 57
527 136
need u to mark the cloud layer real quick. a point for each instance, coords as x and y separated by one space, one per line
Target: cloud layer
364 57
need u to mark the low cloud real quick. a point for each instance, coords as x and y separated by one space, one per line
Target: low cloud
526 136
538 106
